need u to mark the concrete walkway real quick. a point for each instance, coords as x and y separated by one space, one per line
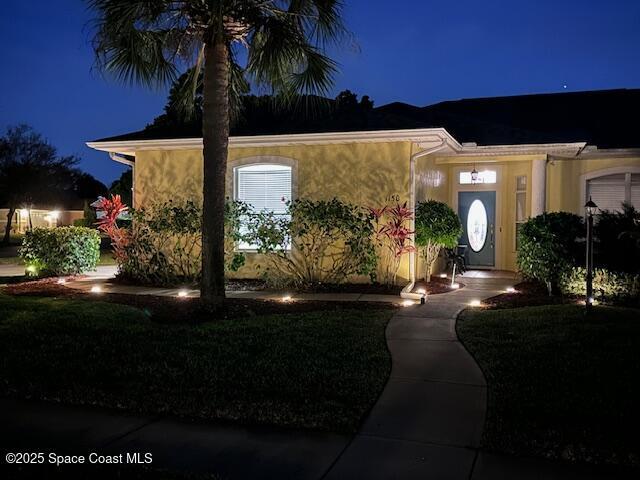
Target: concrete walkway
428 421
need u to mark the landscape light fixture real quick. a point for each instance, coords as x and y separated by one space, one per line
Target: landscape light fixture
423 295
510 290
590 208
407 303
182 293
475 303
287 298
96 289
455 286
61 281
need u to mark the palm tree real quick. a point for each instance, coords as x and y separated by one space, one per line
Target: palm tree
230 44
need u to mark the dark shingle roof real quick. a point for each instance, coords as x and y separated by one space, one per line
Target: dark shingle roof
605 118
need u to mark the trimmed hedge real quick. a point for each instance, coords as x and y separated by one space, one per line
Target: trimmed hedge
550 246
60 251
607 286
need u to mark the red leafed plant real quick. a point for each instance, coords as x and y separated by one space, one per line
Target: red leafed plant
109 210
392 239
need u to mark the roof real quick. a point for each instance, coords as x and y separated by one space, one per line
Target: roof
604 118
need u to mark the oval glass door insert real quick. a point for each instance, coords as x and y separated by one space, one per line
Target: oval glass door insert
477 225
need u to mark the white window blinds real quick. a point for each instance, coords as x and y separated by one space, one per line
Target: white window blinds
264 187
635 190
609 191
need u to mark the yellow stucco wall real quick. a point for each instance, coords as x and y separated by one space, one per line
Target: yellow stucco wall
375 174
368 174
565 181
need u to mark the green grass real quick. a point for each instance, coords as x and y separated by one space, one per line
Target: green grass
320 370
561 385
10 261
106 258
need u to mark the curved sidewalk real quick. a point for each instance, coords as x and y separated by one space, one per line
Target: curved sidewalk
429 419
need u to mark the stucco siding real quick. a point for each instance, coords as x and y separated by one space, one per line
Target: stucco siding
367 174
566 183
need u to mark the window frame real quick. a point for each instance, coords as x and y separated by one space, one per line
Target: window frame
237 165
517 222
628 170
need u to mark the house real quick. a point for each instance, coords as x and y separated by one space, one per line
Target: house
38 216
496 161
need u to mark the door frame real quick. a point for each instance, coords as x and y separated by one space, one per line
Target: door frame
482 187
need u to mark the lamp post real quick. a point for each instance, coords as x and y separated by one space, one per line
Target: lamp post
591 208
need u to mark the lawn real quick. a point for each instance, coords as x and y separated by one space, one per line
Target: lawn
561 385
320 370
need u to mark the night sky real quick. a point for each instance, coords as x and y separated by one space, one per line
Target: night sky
415 51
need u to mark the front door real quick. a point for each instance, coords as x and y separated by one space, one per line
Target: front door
477 211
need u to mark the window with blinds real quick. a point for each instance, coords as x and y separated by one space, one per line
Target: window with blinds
265 187
610 191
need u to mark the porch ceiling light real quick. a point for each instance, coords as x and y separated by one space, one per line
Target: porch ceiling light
474 175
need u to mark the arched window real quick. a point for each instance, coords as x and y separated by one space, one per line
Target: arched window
264 186
610 191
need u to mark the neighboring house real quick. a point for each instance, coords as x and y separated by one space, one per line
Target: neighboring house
538 153
40 217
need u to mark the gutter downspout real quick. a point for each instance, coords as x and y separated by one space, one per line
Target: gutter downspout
406 291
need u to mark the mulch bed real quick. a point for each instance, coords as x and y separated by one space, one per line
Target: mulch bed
527 294
188 310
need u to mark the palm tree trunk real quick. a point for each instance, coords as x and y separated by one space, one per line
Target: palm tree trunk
215 136
7 228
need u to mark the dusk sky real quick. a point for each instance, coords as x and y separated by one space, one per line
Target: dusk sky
415 51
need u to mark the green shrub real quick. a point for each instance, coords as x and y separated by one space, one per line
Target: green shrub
437 226
61 250
607 286
618 240
163 245
315 242
550 246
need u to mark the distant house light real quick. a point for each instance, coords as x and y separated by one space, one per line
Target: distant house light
483 176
